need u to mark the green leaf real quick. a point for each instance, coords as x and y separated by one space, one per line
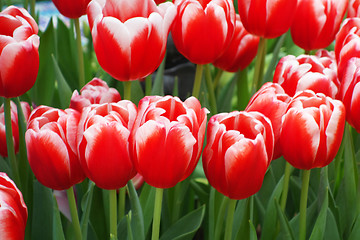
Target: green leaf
147 201
224 100
158 86
58 233
136 92
331 231
355 232
63 87
43 210
186 227
137 219
43 89
284 222
275 58
320 224
86 207
253 234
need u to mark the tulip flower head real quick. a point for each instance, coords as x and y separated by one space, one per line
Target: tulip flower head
203 29
14 126
272 101
241 51
312 130
267 18
103 144
238 152
316 22
13 211
167 139
317 73
19 56
71 8
130 35
94 92
51 147
353 9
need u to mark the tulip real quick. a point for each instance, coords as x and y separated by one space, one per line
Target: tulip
349 92
267 18
167 139
14 124
312 130
272 101
316 22
19 56
239 150
13 211
130 35
317 73
353 9
241 51
202 30
103 143
350 27
94 92
71 8
51 147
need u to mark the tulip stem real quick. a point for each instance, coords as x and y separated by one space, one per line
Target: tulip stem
148 85
197 82
218 77
32 8
242 89
127 90
210 86
122 194
79 53
113 214
303 203
73 212
220 218
259 65
285 191
230 219
10 143
157 214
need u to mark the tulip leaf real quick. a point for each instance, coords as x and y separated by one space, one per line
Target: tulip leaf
43 211
147 201
129 231
43 89
58 233
284 222
137 218
86 207
355 232
275 58
241 216
64 89
331 231
320 224
224 100
158 86
136 92
4 166
185 227
253 234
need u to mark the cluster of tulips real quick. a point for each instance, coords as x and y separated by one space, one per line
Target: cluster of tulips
99 138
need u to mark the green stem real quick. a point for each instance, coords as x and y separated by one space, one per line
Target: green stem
285 191
209 84
230 219
10 143
307 52
220 218
157 214
79 53
218 77
121 207
113 214
74 214
259 65
197 81
303 204
127 90
32 8
243 94
148 85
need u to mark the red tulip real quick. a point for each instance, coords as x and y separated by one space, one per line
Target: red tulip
13 211
238 152
316 22
51 147
350 93
104 143
130 35
19 56
351 26
72 8
353 9
241 51
317 73
272 101
14 125
94 92
312 130
167 139
202 30
267 18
